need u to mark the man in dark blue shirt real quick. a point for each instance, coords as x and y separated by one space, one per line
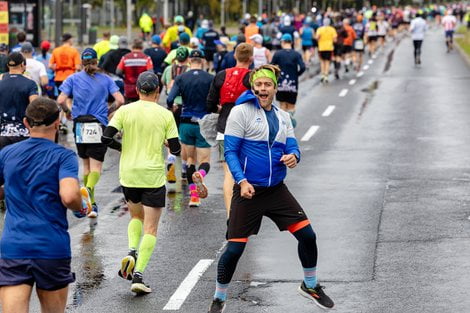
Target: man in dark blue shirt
41 182
193 86
16 93
157 54
208 41
292 66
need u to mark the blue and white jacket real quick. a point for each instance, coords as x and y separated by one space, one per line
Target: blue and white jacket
247 150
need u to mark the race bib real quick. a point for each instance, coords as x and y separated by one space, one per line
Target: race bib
359 45
88 132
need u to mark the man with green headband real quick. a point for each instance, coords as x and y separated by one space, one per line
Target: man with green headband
259 147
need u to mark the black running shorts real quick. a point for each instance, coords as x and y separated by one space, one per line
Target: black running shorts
153 197
276 202
347 49
96 151
286 96
325 55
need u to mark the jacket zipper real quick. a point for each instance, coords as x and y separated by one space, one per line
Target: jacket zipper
244 167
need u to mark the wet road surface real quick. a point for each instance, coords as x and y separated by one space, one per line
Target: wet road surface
384 178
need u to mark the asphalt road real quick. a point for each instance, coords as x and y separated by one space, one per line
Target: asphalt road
384 179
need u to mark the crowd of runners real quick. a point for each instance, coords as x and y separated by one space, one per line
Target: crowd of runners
237 93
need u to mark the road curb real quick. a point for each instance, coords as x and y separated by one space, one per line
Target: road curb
465 57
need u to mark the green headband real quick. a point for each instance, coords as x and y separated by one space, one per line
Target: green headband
264 73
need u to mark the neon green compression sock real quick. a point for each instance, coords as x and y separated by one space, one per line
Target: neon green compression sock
92 180
145 252
85 179
134 231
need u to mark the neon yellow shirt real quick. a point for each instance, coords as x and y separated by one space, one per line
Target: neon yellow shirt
172 55
172 35
326 36
145 126
101 48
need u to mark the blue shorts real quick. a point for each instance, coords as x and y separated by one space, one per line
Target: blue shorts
48 274
449 33
190 135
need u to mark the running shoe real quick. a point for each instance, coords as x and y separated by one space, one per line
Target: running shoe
171 178
217 306
317 295
127 265
138 286
200 187
194 201
85 192
94 211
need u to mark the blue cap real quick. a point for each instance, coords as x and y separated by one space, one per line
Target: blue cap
89 54
286 37
156 39
184 38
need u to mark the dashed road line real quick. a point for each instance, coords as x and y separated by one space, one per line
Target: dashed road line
366 67
343 92
184 289
352 82
310 132
328 110
360 74
370 61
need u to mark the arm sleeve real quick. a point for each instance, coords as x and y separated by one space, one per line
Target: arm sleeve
213 98
234 134
67 86
108 138
174 92
301 64
68 165
175 146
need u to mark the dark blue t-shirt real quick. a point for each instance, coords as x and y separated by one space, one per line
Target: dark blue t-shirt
15 91
90 94
273 123
157 55
292 66
36 220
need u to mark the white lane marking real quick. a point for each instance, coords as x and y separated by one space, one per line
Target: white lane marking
374 56
180 295
370 61
328 110
360 74
352 82
343 92
310 132
366 67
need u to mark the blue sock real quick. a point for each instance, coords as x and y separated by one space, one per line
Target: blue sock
310 277
220 291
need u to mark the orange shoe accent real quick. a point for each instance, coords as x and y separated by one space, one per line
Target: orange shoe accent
298 226
238 240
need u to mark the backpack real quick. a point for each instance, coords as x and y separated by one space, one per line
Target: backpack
176 70
233 86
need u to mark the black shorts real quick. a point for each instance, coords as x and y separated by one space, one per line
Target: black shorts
372 38
347 49
381 36
153 197
209 55
48 274
276 202
96 151
307 47
339 49
286 96
325 55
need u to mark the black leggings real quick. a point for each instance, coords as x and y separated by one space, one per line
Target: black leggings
307 249
417 45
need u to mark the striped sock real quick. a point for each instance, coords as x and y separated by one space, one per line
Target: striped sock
310 277
220 291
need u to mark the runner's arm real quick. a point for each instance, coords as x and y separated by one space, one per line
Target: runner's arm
119 98
108 138
301 65
213 98
175 146
174 92
69 187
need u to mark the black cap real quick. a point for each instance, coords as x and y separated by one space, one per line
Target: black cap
196 53
66 37
15 59
147 82
3 47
